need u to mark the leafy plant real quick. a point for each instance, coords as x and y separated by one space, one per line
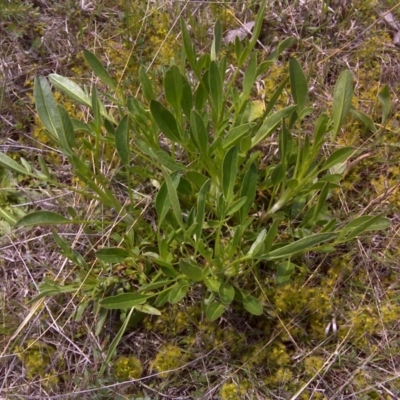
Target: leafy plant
222 213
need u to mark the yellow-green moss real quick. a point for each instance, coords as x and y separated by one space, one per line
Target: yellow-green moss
127 367
168 358
232 391
282 377
313 365
37 357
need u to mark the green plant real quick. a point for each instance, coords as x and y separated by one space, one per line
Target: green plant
222 213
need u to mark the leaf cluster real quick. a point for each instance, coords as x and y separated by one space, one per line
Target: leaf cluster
223 213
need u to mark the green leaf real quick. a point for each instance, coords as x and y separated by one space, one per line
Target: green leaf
200 214
271 236
321 202
384 97
96 110
229 172
277 175
217 40
191 270
162 203
252 305
147 309
201 93
238 48
235 134
8 163
364 118
147 87
165 159
284 271
173 87
188 45
271 123
123 300
338 157
187 97
50 116
282 46
364 224
258 244
249 77
321 127
215 85
112 255
162 299
67 128
70 89
173 197
226 293
256 33
196 178
214 311
45 105
298 84
98 68
122 141
114 344
248 189
342 96
42 218
212 283
233 245
199 132
165 121
300 246
236 206
178 292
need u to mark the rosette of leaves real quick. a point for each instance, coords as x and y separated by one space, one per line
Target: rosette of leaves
202 146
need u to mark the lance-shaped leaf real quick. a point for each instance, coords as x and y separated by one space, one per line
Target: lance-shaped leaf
112 254
11 165
298 84
229 172
258 244
173 87
165 121
337 157
122 141
147 87
188 45
200 214
199 132
123 300
300 246
55 119
215 86
42 218
98 68
342 96
173 197
270 124
70 89
217 40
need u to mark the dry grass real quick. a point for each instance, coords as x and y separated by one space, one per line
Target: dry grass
332 334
